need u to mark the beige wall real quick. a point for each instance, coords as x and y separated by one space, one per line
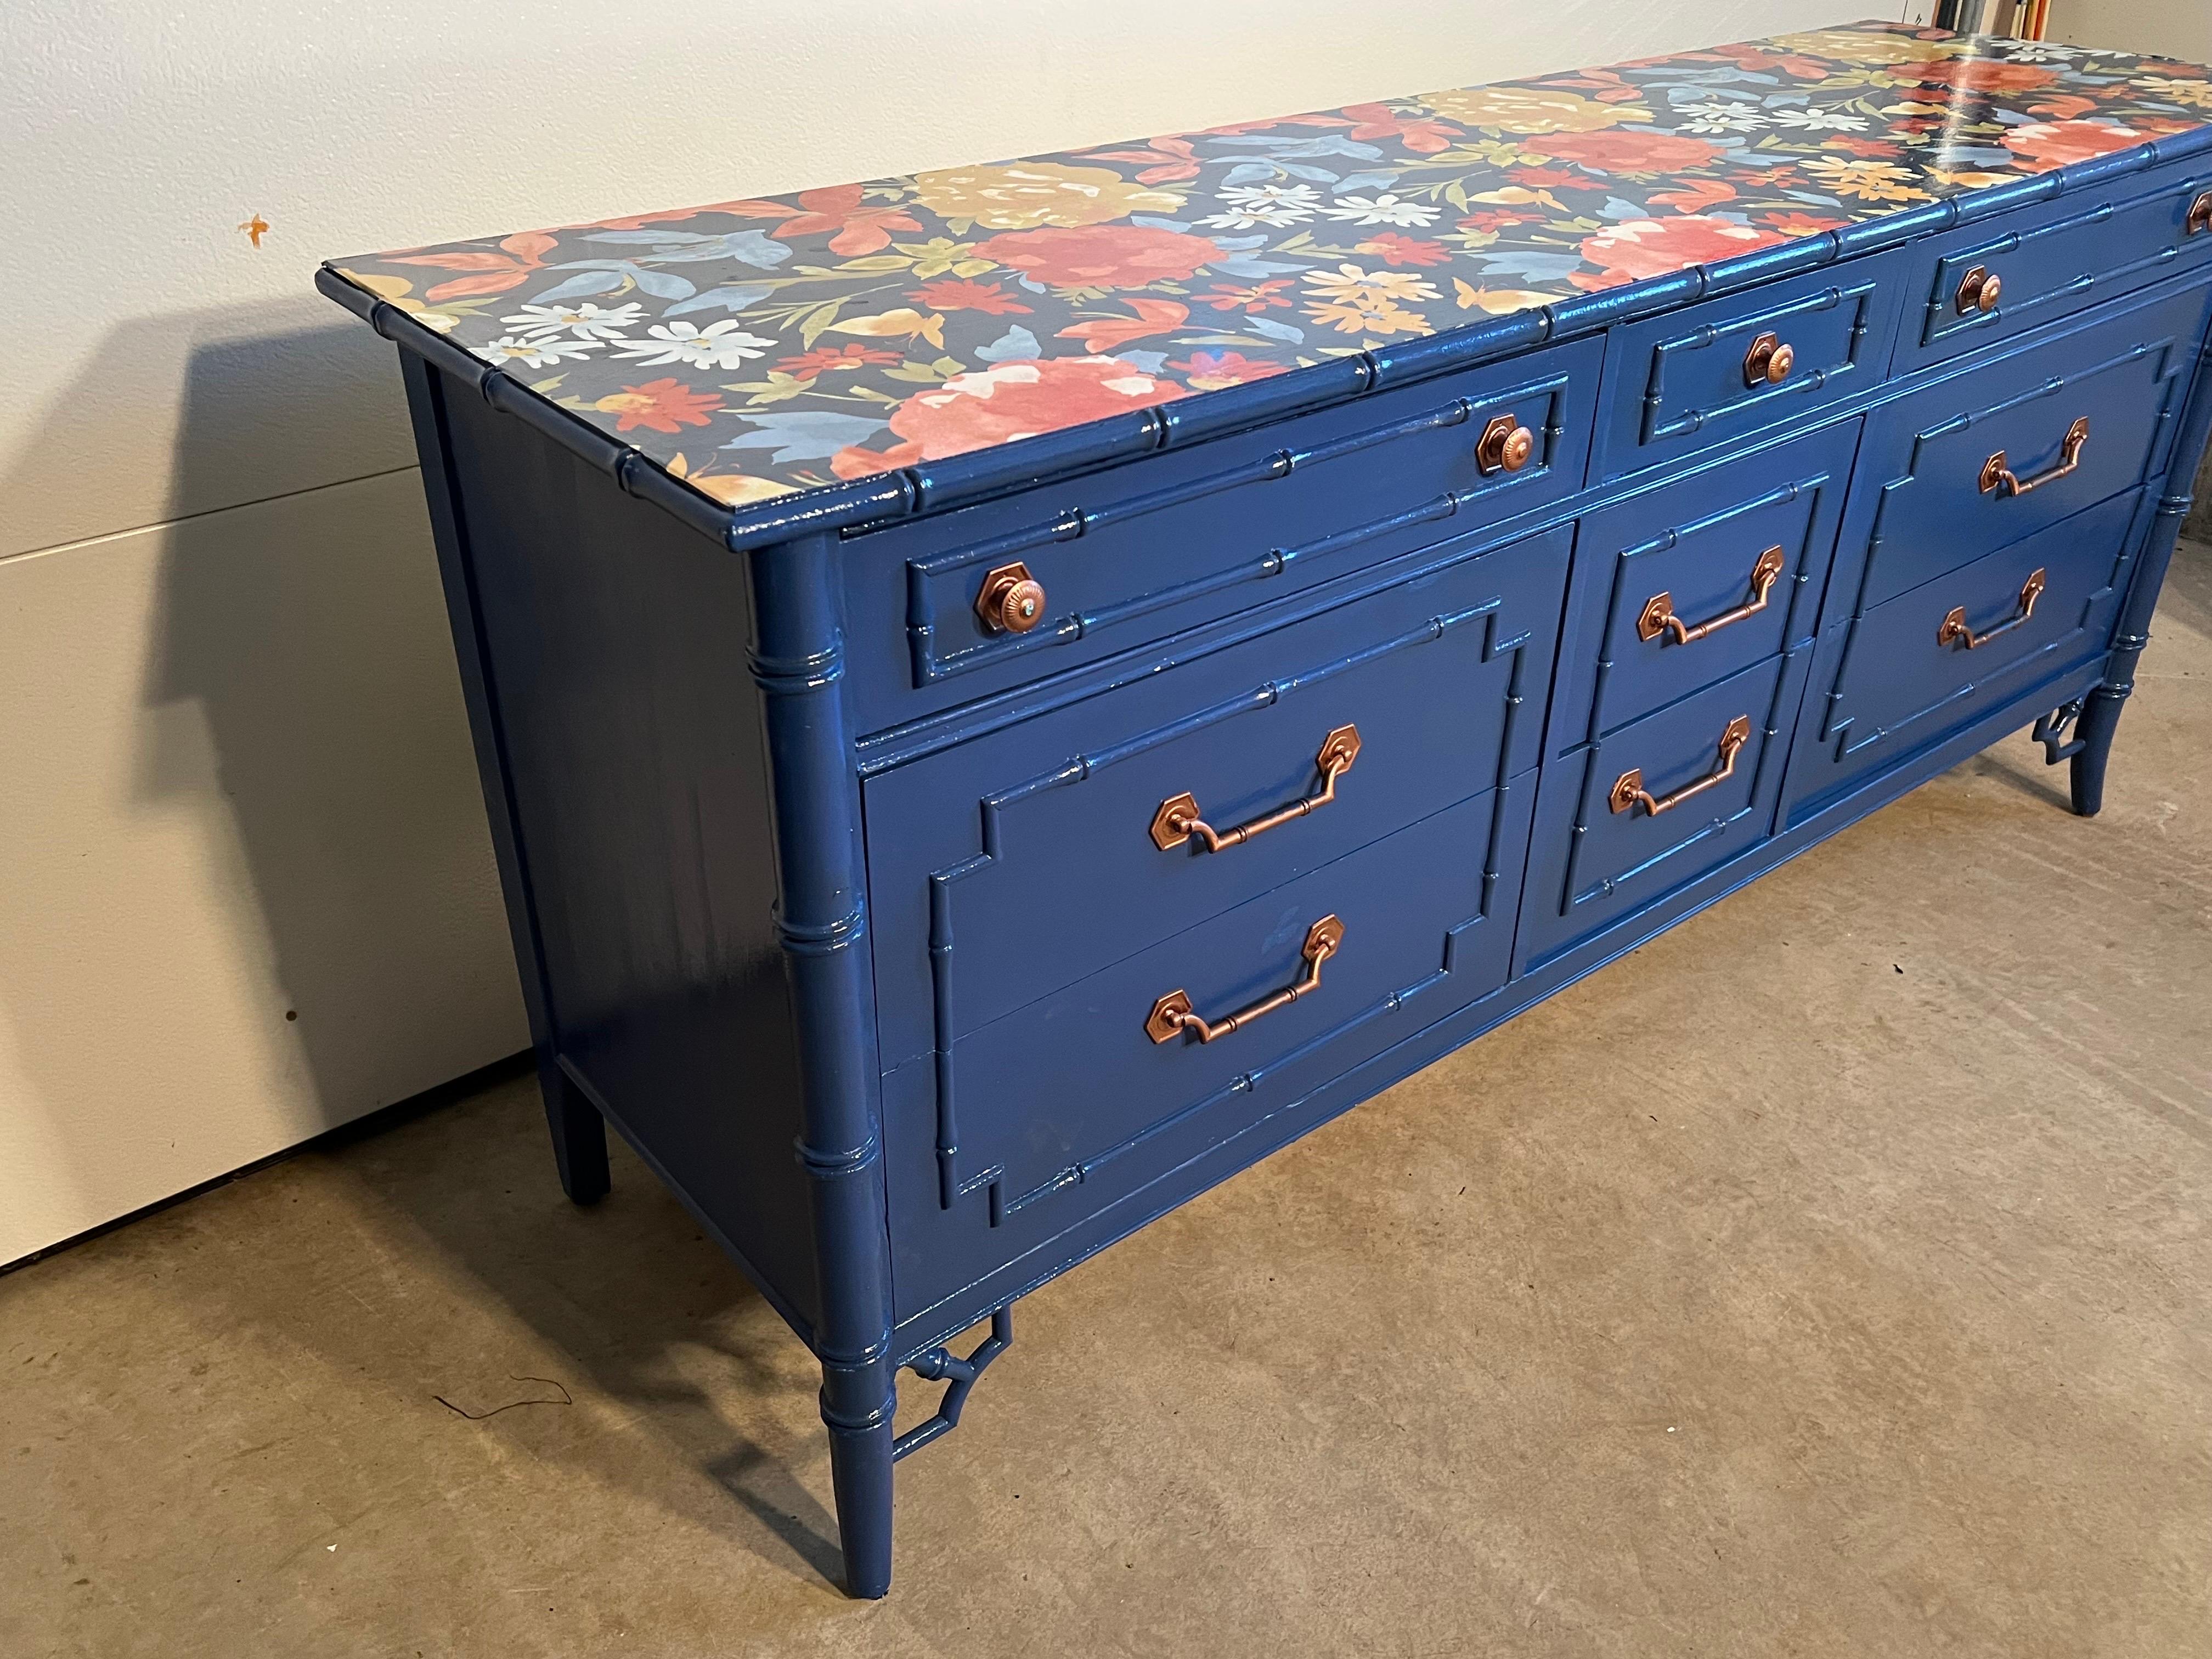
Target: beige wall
235 784
2174 28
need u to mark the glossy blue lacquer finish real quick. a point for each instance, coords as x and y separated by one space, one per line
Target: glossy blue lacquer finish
849 911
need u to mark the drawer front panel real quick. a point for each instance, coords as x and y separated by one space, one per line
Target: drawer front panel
1928 500
1692 378
1012 866
1061 1107
1735 555
1139 552
2051 262
1914 670
1592 863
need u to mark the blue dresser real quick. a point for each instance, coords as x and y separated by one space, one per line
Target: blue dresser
1005 694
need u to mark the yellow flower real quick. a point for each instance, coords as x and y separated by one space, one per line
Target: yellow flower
1499 301
1350 285
1968 180
2196 93
1530 109
1026 194
1870 181
941 256
1868 46
730 489
902 323
396 290
1369 317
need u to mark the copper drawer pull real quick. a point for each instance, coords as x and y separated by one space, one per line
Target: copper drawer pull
1659 616
1996 475
1177 820
1171 1015
1628 788
1954 627
1769 361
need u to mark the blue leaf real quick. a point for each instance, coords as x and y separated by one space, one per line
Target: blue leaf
646 238
1148 361
1275 331
806 434
660 284
1536 267
581 286
1016 343
1377 180
1614 207
1238 244
1249 173
730 296
1318 175
1159 223
1246 265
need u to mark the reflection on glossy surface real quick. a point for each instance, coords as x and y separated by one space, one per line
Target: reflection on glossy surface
763 346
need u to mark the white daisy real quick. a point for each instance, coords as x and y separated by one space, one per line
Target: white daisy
1820 120
584 321
1719 117
1383 209
539 353
718 345
1251 205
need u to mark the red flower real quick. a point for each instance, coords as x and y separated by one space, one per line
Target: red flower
663 405
1800 224
1862 146
1103 334
1005 402
1695 196
1227 296
1976 74
1100 256
1623 150
823 359
2042 145
957 294
494 273
1395 250
2063 106
1421 134
858 229
1210 371
1637 248
1498 218
1547 178
1162 162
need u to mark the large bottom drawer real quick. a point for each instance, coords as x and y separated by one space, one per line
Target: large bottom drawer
1916 668
1079 1098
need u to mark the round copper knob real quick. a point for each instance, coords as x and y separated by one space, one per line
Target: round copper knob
1979 290
2200 213
1769 361
1012 600
1506 446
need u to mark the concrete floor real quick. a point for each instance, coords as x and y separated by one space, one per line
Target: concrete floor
1830 1278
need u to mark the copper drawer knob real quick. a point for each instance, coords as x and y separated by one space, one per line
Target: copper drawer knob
2200 215
1173 1015
1011 602
1769 361
1505 446
1979 290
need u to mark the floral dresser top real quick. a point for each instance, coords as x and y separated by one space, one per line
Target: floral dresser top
761 347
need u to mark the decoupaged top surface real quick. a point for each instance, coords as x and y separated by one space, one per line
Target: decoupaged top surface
761 347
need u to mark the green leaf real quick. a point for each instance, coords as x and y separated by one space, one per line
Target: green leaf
821 317
874 262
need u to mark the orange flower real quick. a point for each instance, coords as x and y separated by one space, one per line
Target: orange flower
2044 145
1393 249
1617 151
1007 402
957 294
1976 74
1105 333
1162 162
1423 137
663 405
1258 297
823 359
1210 371
1800 224
1100 256
494 273
1696 195
1636 248
859 229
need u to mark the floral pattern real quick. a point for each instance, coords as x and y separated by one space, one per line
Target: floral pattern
760 347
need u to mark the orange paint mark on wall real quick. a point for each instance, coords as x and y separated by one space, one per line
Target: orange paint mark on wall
256 228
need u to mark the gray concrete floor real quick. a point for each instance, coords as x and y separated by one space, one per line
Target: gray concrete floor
1829 1278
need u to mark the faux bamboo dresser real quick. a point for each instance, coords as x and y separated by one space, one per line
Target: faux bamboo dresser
1005 694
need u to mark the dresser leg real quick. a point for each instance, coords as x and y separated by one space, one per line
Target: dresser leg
580 1136
2100 718
860 1476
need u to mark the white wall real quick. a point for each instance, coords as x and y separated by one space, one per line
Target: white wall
234 778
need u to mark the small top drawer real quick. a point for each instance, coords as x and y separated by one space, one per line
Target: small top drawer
1981 285
1980 459
1017 862
1136 553
1701 376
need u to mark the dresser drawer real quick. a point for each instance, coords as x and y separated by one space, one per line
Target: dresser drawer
1982 284
1983 458
1738 365
1013 865
1136 553
1059 1108
1915 669
1628 819
1690 583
